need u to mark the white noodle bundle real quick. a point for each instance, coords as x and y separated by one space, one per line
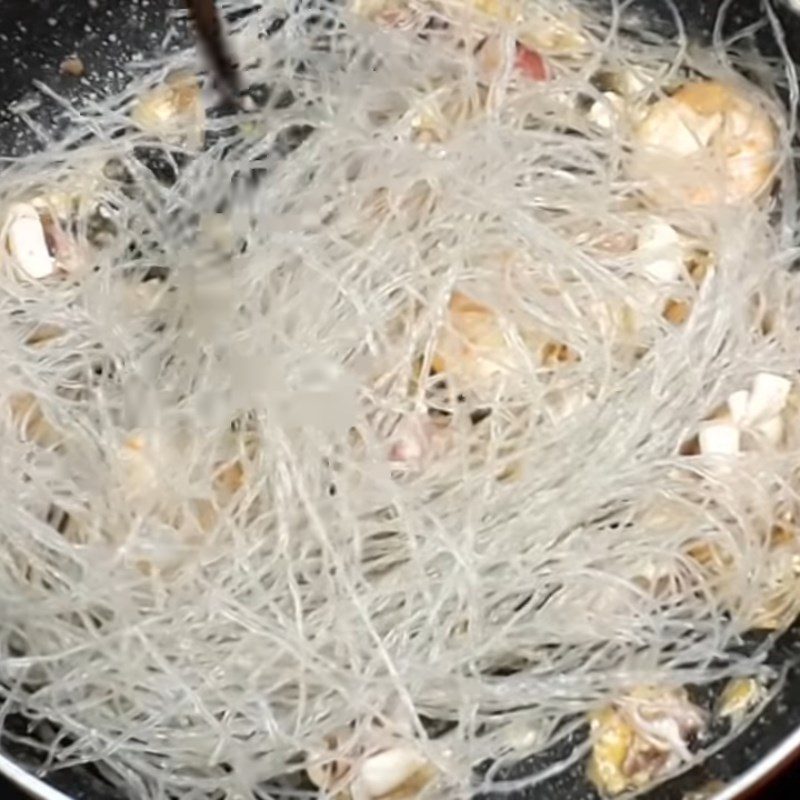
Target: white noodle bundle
229 523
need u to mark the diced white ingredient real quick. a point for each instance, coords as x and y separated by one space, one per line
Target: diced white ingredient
25 241
661 251
739 696
759 410
768 397
389 770
632 81
719 438
772 430
606 112
738 404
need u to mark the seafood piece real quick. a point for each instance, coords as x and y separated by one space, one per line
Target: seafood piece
24 239
383 768
738 697
642 736
708 143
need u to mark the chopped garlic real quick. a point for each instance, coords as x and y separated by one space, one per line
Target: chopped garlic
633 81
388 772
738 697
607 112
173 111
707 143
72 66
660 251
25 241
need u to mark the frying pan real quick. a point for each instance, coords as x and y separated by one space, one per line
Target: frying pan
35 36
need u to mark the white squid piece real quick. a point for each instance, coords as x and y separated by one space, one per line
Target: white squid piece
756 412
24 239
660 251
378 770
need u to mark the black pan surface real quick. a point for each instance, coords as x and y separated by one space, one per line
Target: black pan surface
35 37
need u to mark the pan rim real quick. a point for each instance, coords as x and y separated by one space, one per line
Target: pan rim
36 787
765 769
